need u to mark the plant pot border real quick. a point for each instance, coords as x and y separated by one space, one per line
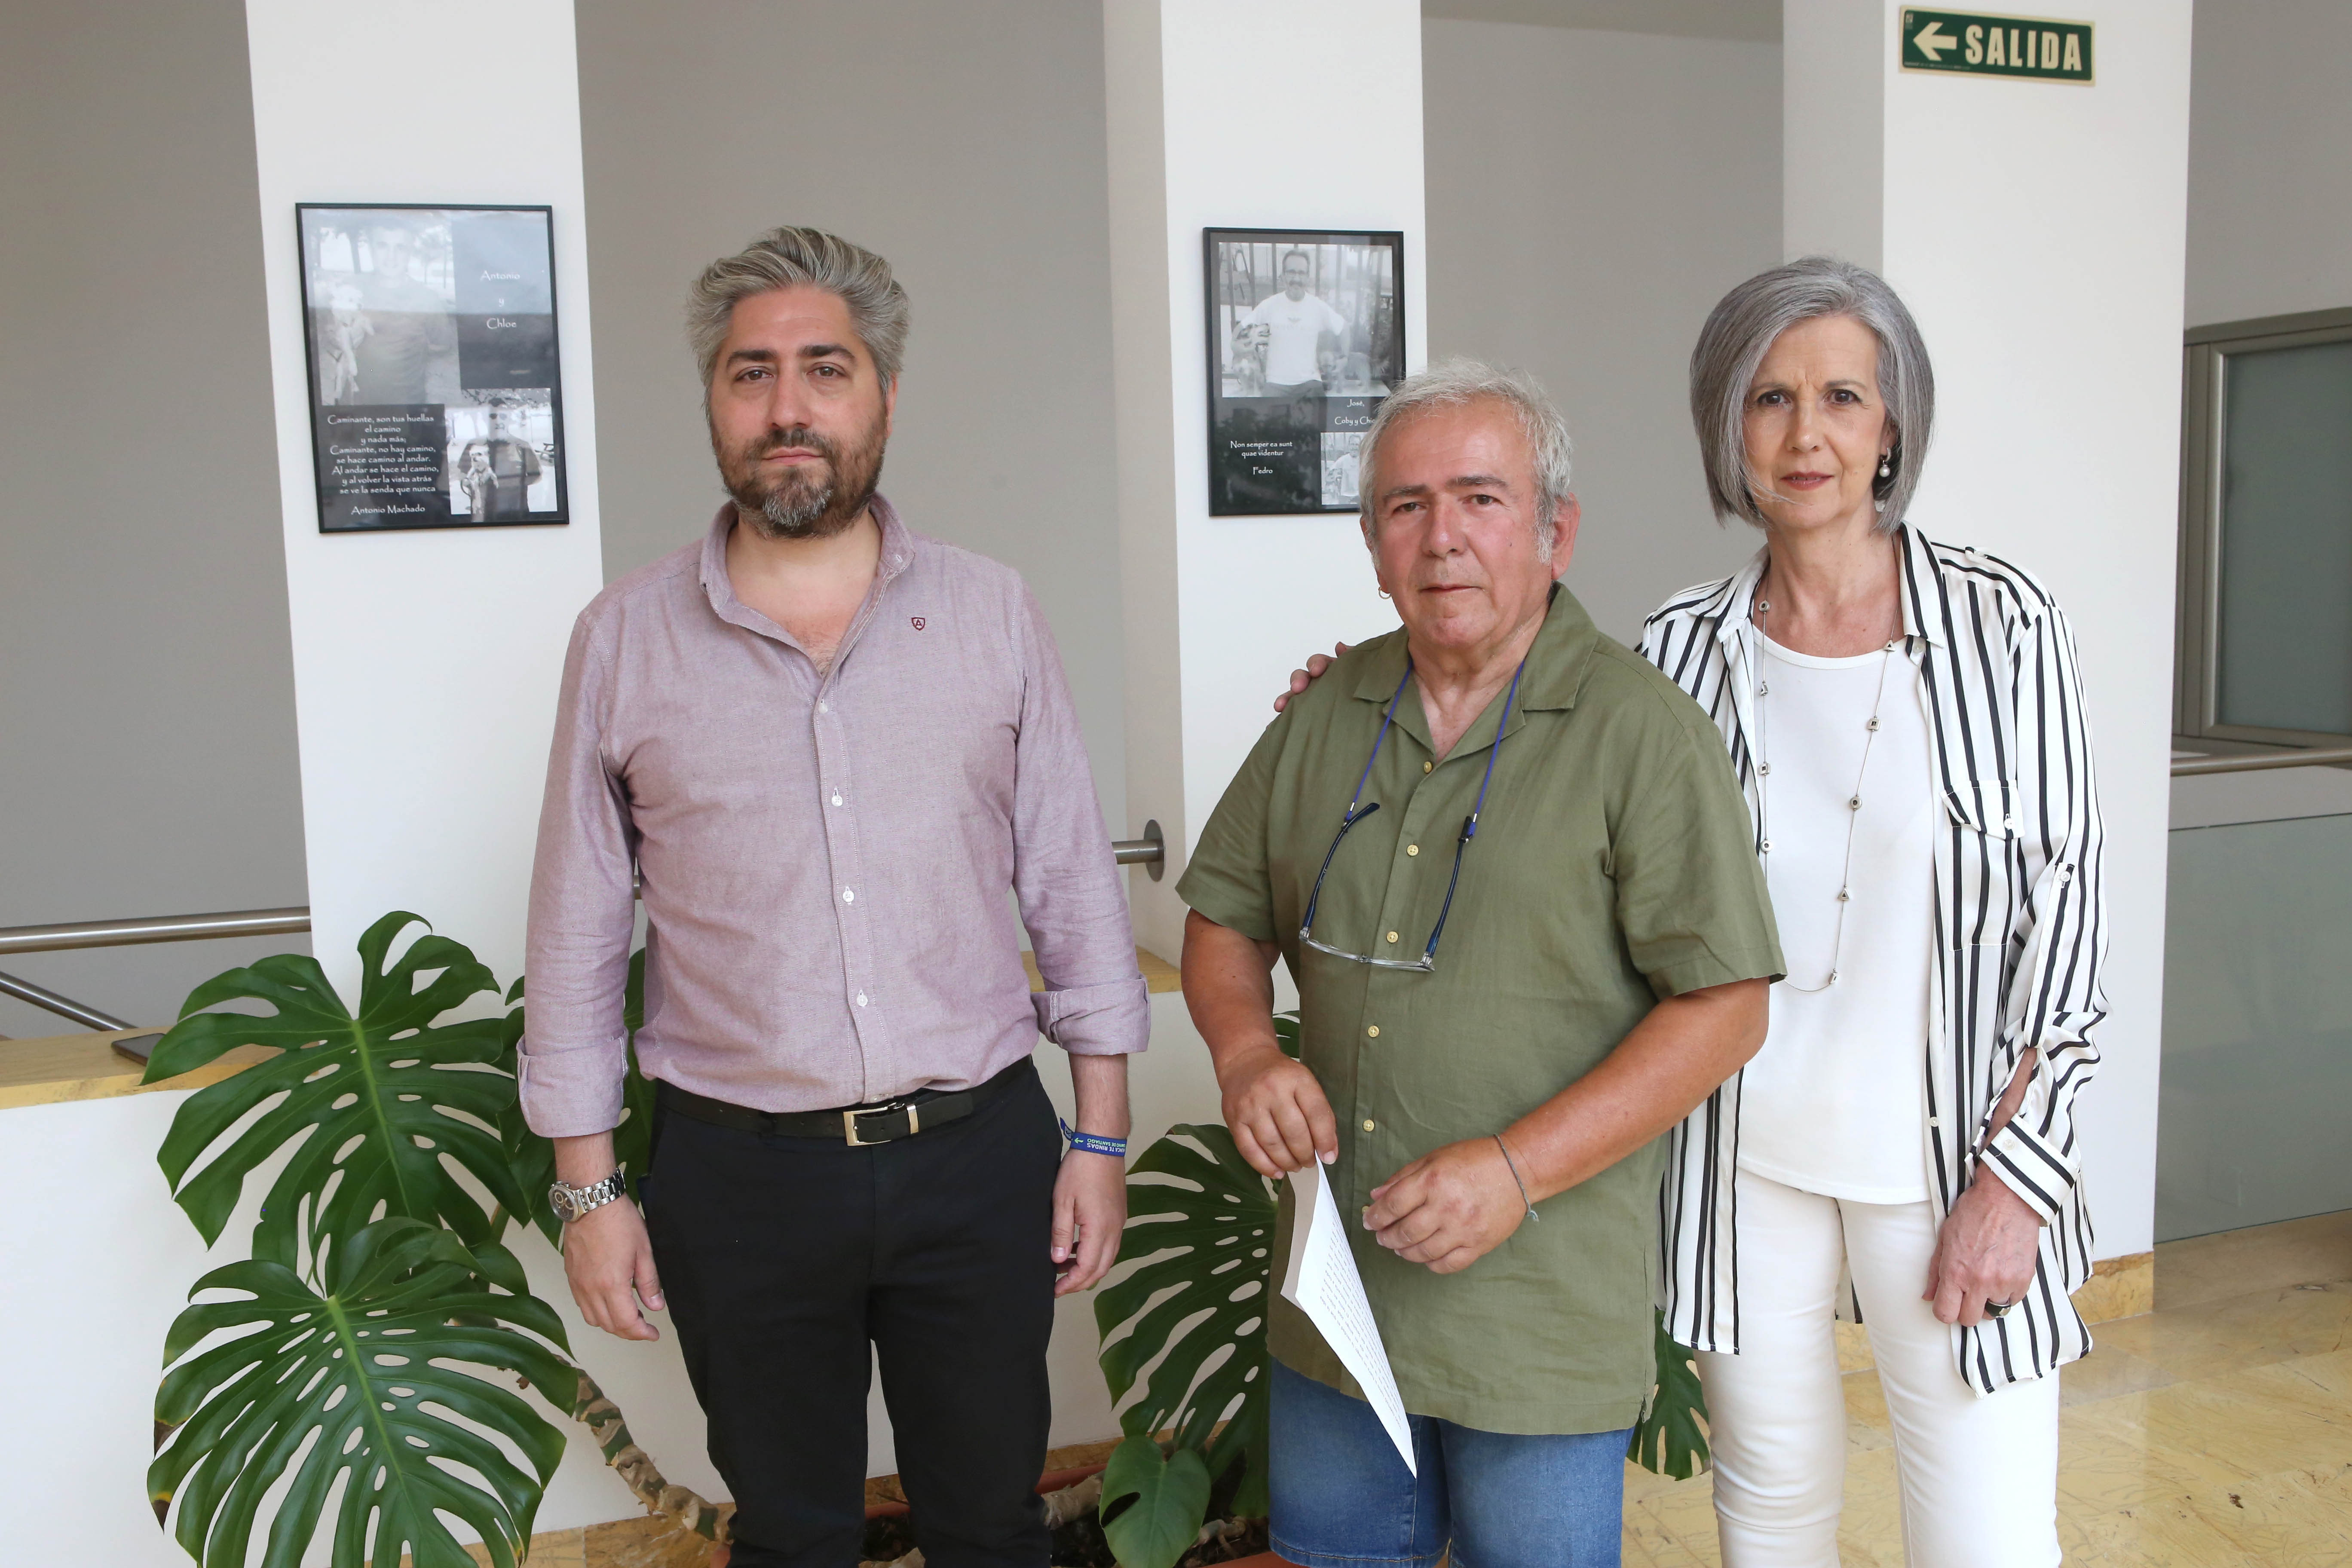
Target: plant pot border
1051 1481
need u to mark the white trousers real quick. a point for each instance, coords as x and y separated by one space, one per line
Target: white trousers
1978 1475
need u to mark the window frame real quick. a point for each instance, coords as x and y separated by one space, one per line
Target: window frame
2204 399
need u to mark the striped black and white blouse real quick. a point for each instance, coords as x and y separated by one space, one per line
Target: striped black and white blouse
2022 935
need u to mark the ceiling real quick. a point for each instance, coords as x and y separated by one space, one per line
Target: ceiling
1750 21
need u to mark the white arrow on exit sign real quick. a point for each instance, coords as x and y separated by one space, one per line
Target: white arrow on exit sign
1932 41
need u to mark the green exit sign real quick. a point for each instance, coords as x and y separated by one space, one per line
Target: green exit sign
1974 44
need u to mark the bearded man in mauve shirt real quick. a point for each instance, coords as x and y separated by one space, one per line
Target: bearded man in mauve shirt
830 746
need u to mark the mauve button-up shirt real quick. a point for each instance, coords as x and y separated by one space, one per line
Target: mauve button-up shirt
825 857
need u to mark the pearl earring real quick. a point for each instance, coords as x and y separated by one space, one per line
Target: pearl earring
1886 465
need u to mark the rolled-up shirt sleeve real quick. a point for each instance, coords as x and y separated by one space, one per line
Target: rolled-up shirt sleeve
574 1050
1094 1003
2057 995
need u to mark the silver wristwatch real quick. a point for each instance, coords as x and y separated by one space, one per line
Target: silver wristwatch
569 1201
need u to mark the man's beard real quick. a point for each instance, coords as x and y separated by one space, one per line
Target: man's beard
804 501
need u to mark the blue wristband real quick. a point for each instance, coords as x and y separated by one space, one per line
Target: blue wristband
1114 1147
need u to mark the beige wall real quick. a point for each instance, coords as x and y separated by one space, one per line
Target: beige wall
1592 195
2270 159
147 757
964 143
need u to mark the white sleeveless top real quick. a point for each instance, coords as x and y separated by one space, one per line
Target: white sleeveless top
1835 1102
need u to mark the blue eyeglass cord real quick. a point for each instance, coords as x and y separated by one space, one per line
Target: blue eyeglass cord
1470 824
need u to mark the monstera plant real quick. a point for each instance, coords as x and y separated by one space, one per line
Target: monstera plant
378 1294
1201 1226
1189 1320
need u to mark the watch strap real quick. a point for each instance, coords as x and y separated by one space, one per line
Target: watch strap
569 1201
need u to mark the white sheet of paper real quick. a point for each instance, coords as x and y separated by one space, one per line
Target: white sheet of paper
1322 1282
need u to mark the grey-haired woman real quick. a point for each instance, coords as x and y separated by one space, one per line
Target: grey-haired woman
1907 719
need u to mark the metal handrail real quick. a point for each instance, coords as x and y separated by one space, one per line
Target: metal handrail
64 1007
1150 850
158 928
2259 761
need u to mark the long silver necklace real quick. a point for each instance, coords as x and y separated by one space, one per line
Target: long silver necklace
1853 801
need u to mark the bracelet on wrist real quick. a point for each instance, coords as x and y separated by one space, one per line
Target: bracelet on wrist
1512 1166
1094 1143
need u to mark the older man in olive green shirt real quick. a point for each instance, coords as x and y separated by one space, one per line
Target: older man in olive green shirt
1537 941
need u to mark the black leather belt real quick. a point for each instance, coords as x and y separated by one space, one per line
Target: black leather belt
855 1125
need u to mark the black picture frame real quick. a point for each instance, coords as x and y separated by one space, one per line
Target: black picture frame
433 363
1283 442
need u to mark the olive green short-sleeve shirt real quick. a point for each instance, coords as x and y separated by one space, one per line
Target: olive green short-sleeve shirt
1613 865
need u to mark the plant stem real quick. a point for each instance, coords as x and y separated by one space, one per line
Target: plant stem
636 1468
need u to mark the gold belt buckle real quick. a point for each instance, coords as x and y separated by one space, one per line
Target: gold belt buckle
849 1124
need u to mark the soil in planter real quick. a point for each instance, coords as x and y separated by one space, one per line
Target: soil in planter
1080 1544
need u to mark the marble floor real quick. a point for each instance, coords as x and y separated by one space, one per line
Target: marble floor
2213 1432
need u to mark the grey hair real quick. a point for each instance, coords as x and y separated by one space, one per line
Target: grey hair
1741 331
788 257
1455 383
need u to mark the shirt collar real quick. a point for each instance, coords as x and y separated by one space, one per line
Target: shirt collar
897 554
1557 663
1916 577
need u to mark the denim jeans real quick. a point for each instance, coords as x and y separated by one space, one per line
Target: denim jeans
1342 1497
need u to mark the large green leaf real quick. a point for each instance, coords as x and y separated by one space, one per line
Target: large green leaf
1671 1438
1203 1232
532 1157
1170 1494
377 1105
362 1377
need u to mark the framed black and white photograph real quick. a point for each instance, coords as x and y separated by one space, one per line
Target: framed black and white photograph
1306 337
435 394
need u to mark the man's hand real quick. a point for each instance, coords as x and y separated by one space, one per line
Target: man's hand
610 1264
1280 1121
1300 680
1089 1213
1449 1208
1985 1251
1275 1109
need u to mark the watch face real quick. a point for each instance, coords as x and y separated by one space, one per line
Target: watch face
559 1198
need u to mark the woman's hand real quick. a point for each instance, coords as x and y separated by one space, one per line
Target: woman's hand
1986 1249
1984 1252
1300 680
1449 1208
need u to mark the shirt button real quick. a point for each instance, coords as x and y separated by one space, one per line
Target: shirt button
823 708
1412 848
861 998
1373 1033
1392 936
1367 1124
848 897
1426 766
836 800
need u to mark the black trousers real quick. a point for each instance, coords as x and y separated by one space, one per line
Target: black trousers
784 1259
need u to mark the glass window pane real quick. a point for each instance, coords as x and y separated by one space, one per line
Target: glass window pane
2257 1026
2285 642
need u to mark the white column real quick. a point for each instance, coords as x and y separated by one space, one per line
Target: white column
425 663
1254 114
2036 229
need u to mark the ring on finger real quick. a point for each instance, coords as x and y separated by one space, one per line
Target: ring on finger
1998 1308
